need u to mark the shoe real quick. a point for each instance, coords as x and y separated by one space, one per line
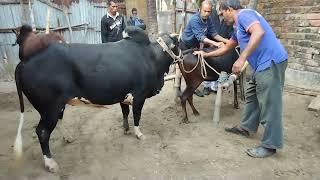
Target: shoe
238 131
206 91
198 93
260 152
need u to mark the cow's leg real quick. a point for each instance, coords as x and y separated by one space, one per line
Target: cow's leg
194 110
235 95
125 113
187 93
44 129
177 83
137 108
61 113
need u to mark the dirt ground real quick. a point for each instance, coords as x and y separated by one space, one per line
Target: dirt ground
172 150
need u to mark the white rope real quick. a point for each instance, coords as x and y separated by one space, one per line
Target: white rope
169 51
203 64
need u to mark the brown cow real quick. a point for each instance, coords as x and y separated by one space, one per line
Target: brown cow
31 43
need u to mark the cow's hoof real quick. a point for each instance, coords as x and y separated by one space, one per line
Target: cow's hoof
177 100
185 120
51 165
141 137
196 113
68 139
126 131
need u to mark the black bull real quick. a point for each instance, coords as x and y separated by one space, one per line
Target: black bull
195 78
103 74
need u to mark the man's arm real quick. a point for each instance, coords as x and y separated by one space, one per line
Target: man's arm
209 41
231 44
197 31
123 23
220 38
104 31
257 33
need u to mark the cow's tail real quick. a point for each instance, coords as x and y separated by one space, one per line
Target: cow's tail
18 142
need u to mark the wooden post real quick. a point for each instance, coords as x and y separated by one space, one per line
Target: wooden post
174 16
65 11
48 20
185 14
33 25
24 13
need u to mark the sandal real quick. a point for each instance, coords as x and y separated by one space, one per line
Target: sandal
238 131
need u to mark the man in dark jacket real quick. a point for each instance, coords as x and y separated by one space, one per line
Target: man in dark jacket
112 24
134 20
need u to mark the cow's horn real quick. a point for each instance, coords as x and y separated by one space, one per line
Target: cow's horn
173 35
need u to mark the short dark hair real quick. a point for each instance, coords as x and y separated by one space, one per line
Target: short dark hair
134 9
226 4
109 2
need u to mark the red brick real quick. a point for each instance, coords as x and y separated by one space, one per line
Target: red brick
313 16
315 23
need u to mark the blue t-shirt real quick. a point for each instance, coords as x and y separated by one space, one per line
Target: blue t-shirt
270 48
197 29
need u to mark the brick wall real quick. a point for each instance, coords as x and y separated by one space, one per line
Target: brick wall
297 24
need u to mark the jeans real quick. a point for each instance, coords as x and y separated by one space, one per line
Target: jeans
264 105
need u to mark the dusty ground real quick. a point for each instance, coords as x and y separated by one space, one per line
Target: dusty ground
172 150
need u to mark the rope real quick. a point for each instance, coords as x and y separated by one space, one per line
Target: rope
169 51
203 64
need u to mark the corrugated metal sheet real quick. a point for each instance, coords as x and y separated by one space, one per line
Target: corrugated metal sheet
10 16
8 52
40 11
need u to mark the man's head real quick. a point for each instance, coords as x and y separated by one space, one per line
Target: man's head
206 9
134 12
228 9
113 7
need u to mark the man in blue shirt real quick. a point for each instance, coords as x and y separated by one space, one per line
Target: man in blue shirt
268 59
201 29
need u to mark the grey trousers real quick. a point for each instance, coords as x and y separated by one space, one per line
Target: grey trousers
264 105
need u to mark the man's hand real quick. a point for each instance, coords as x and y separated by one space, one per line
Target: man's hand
237 66
216 44
220 44
202 53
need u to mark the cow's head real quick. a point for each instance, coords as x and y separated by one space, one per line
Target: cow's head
170 44
136 34
22 35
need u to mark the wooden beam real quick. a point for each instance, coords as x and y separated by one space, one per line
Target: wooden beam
187 10
4 2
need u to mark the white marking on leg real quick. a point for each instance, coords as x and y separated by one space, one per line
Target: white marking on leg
18 142
138 132
50 164
128 99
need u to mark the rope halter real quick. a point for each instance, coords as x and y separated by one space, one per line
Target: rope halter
169 51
